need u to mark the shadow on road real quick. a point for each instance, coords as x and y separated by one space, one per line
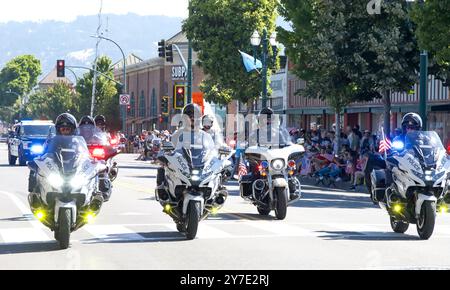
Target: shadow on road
149 237
24 218
32 247
141 176
326 200
366 236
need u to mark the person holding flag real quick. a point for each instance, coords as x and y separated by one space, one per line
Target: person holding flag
411 122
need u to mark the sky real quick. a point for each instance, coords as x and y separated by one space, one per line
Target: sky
68 10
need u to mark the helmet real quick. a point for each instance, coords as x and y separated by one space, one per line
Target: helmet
207 121
87 120
100 120
192 110
66 120
412 121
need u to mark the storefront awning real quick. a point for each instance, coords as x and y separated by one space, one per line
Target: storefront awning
352 110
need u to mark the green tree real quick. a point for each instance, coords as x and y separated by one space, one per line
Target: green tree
48 104
347 55
218 29
106 94
20 76
433 33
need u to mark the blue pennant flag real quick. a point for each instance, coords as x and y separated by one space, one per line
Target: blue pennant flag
249 62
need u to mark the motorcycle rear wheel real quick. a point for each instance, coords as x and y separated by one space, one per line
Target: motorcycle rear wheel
426 221
193 218
65 222
281 206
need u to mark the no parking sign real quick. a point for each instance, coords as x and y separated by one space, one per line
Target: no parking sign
124 99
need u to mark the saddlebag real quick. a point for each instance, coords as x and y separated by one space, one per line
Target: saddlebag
378 178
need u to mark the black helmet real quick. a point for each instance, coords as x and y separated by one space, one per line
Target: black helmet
87 120
65 120
412 121
192 110
100 120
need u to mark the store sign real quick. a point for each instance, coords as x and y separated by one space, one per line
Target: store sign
179 73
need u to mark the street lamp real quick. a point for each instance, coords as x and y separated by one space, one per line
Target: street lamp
255 41
124 76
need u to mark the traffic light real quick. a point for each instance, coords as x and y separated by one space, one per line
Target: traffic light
180 97
162 48
169 53
165 106
60 68
128 108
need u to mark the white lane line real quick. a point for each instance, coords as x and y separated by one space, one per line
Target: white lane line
281 229
23 235
112 233
25 210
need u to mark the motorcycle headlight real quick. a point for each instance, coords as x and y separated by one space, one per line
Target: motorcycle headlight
55 180
278 164
77 181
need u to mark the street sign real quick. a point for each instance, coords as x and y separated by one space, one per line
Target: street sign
124 99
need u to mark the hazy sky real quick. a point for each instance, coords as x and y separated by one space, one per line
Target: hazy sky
68 10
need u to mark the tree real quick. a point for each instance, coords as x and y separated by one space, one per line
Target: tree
48 104
106 94
432 19
218 29
347 55
19 76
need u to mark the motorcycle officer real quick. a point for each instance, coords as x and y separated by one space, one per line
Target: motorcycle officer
271 128
411 122
87 128
189 134
207 124
66 125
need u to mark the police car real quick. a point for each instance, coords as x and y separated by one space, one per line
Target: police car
27 140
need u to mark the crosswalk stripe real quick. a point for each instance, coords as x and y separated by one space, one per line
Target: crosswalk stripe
281 229
112 232
23 235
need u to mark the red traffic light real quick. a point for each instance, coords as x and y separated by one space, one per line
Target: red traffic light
60 68
180 90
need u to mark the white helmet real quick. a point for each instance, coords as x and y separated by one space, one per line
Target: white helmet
207 121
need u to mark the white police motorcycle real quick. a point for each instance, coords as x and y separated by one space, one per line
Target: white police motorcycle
193 186
66 195
420 183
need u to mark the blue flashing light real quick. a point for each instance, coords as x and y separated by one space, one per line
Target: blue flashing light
398 145
265 164
37 149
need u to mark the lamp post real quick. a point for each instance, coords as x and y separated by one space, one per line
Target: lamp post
255 40
124 77
423 79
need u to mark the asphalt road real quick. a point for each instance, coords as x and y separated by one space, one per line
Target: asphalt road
327 229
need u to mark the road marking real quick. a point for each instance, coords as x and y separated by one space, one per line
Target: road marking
281 229
112 232
23 235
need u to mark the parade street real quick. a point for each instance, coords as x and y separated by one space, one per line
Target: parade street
326 229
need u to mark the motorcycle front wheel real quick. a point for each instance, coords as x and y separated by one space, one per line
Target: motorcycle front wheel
63 234
193 218
281 206
426 220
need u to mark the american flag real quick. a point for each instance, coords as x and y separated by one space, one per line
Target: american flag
385 145
242 169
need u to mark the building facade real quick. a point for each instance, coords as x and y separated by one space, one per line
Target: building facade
149 81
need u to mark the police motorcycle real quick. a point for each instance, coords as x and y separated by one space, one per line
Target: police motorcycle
420 183
193 187
66 196
101 148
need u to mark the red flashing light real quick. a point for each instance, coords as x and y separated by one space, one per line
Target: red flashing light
291 164
98 152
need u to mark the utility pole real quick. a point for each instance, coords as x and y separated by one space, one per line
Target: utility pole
189 72
94 82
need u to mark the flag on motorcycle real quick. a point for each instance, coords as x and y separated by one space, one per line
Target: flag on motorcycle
385 145
242 169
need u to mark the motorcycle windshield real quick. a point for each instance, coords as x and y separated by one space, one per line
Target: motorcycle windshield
67 152
197 155
92 135
426 146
